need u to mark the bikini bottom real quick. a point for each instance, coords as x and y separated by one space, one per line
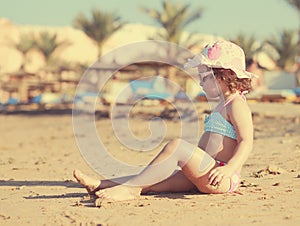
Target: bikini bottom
234 179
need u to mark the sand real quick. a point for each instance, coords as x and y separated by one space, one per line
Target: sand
39 153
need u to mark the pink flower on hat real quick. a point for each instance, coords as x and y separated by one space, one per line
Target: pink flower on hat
214 52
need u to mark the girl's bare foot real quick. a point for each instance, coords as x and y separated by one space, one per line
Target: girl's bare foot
119 193
90 184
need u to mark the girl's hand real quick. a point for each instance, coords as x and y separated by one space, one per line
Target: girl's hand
220 173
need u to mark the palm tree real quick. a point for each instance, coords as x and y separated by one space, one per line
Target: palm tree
24 45
249 44
286 47
296 4
174 18
47 44
100 27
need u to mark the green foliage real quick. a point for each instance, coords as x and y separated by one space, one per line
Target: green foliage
47 43
173 18
249 44
286 47
25 43
294 3
99 27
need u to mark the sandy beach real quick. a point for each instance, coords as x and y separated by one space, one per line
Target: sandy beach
39 152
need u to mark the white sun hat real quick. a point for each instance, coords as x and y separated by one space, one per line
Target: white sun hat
222 54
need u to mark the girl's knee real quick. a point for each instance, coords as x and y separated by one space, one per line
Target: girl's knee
173 145
175 142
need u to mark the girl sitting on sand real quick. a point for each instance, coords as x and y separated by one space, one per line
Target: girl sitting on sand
215 165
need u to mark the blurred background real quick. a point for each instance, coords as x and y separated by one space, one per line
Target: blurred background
46 46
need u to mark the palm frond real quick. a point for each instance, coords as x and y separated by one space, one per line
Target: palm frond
173 18
47 43
286 47
99 27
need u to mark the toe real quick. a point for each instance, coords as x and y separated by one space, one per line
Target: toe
100 194
98 202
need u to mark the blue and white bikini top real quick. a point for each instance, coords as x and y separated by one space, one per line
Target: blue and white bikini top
216 123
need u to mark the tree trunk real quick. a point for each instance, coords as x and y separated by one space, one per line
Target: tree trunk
100 45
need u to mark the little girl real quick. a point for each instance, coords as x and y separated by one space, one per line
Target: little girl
215 165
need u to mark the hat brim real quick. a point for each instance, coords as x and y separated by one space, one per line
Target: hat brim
201 60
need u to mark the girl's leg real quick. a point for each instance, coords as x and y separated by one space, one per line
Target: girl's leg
92 185
194 162
178 182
